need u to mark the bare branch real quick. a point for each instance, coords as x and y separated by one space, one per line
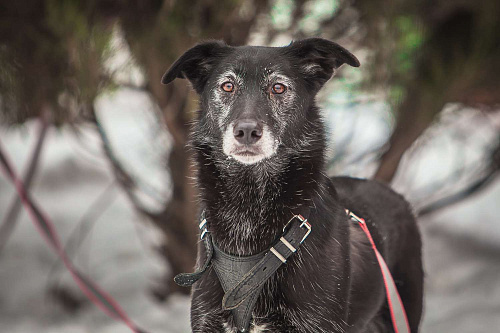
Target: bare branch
83 227
488 178
10 219
127 182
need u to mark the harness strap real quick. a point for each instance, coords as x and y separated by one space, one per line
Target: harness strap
230 269
293 237
396 307
242 278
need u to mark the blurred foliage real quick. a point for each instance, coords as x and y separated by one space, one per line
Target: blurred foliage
53 52
427 54
447 50
86 44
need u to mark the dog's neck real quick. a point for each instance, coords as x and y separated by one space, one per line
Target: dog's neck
247 206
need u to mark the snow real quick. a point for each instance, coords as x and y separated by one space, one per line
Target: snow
462 263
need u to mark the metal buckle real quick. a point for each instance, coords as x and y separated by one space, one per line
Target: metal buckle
304 224
203 227
203 233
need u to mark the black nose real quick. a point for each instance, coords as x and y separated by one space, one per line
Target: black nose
247 131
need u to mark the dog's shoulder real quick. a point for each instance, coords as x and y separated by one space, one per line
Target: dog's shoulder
371 194
388 214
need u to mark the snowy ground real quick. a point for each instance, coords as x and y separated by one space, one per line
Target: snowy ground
461 243
462 264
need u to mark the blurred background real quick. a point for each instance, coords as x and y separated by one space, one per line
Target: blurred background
101 145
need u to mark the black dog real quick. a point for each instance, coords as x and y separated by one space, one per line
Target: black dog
260 149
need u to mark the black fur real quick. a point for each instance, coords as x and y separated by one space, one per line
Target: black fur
333 283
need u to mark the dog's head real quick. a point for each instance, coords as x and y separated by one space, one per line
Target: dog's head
255 99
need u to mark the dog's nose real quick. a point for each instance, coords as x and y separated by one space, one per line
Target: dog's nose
247 131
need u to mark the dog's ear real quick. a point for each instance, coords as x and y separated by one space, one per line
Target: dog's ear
318 58
197 64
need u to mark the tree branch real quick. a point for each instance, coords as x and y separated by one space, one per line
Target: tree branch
127 182
10 219
488 178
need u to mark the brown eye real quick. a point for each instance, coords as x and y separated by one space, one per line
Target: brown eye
279 88
227 86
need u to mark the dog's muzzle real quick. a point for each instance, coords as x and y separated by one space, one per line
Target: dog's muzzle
248 141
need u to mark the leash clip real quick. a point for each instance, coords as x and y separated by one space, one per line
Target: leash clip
354 217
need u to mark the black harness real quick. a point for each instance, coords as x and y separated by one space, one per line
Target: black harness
242 278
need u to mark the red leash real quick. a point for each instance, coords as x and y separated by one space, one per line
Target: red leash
45 226
396 307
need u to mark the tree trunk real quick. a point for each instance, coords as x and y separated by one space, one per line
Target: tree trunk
416 113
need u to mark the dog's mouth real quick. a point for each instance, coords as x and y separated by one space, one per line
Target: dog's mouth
247 155
247 152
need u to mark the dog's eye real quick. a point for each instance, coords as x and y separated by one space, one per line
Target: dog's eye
227 86
279 88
